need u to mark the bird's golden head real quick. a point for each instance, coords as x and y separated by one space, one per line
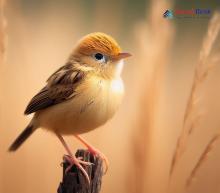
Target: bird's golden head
100 51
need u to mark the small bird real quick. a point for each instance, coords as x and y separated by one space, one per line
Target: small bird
80 96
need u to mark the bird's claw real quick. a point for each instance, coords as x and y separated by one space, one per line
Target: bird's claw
96 152
75 161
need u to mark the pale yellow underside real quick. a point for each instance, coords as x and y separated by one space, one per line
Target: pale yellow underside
96 102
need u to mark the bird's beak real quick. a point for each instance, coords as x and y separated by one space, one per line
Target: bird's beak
121 55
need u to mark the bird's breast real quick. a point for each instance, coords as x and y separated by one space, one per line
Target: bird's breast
102 99
95 102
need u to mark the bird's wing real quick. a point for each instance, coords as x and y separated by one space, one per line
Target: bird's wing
60 87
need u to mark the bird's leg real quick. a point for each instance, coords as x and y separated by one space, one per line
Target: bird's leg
94 151
72 159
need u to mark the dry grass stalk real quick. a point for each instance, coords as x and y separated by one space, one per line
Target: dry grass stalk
201 71
201 160
3 35
154 40
2 47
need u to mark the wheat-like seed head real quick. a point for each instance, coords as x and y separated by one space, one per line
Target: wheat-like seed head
201 72
201 160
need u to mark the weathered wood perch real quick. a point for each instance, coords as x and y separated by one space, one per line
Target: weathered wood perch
75 182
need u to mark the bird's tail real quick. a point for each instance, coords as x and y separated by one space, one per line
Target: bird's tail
22 137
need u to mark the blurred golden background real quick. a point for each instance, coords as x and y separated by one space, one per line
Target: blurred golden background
140 141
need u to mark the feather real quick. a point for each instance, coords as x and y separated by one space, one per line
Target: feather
60 87
99 42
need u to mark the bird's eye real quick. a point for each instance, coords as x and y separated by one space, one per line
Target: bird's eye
99 56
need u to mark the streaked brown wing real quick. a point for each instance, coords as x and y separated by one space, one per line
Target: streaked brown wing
60 87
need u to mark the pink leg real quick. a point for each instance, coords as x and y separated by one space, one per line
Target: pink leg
94 151
72 159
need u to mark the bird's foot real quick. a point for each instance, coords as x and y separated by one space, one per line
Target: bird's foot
96 152
77 161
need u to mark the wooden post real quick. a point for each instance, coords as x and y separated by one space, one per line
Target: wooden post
75 182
